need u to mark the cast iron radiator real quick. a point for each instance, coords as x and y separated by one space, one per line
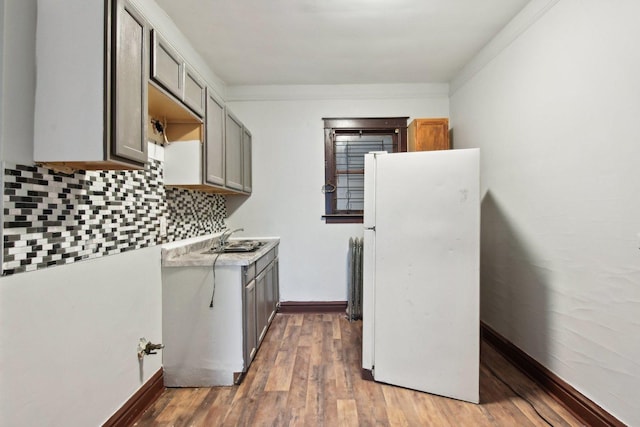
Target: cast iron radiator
354 291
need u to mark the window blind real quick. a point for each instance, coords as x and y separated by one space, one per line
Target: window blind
349 157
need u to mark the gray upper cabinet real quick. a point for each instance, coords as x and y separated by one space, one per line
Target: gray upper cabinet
91 81
167 66
246 160
195 91
129 123
233 152
214 146
171 72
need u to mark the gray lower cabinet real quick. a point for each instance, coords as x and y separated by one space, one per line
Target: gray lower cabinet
273 292
261 298
262 283
250 342
91 79
266 303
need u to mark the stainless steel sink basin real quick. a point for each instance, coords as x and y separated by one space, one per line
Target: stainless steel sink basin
237 246
243 245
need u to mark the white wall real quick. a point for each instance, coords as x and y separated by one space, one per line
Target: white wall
288 173
556 117
69 336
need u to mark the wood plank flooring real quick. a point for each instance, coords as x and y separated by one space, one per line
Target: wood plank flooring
307 373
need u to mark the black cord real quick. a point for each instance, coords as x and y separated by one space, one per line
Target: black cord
213 293
495 374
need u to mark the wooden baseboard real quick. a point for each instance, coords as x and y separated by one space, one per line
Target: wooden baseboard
581 406
136 405
312 307
367 375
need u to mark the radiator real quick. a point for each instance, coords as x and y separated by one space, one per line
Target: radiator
354 291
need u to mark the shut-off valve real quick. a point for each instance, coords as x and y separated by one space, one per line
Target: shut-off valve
145 347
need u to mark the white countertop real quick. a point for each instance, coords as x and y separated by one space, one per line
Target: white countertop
189 252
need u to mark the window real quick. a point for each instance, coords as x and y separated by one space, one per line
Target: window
346 141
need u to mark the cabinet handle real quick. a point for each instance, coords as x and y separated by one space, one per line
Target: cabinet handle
328 188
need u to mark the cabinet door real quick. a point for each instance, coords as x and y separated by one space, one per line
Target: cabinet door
233 152
167 67
428 134
214 156
250 335
129 121
261 305
275 292
271 296
194 91
246 160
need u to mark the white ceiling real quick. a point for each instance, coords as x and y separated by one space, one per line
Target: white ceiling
266 42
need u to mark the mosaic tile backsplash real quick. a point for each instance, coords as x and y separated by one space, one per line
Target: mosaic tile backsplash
53 219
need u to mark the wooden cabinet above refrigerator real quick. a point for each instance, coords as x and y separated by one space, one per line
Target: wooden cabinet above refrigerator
428 134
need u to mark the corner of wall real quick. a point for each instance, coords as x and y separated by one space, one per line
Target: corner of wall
336 92
518 25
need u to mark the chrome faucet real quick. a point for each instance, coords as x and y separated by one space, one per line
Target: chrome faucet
225 236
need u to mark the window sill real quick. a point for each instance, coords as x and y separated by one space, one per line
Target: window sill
343 218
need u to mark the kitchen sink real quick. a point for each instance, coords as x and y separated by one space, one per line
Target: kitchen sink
237 246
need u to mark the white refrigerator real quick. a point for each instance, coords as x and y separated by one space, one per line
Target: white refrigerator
421 271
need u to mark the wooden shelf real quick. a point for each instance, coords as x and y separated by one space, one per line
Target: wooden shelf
181 123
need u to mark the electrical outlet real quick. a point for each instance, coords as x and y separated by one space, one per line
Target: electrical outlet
163 226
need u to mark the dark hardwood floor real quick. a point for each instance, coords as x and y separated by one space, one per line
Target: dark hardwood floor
307 373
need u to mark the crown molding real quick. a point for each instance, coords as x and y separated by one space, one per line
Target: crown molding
518 25
328 92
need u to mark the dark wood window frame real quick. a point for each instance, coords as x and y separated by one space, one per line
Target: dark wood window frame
343 126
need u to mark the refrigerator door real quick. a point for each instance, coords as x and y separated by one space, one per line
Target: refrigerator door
368 260
426 278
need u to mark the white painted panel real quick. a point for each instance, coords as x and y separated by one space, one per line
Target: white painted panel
426 309
69 108
183 163
69 336
204 344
